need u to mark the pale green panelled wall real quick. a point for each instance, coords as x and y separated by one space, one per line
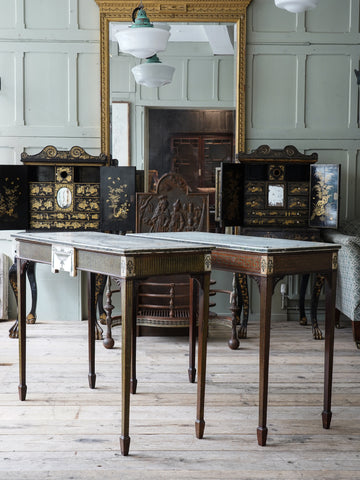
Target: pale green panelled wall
50 95
301 86
301 90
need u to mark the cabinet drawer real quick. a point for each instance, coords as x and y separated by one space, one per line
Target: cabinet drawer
298 202
254 188
254 201
277 222
298 188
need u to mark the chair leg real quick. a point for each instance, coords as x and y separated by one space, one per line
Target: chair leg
108 340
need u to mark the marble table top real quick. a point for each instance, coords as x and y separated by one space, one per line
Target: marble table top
241 242
105 242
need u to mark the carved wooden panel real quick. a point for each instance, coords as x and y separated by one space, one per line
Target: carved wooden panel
172 208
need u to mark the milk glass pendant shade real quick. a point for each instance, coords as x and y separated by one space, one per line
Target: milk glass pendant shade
153 73
142 39
296 6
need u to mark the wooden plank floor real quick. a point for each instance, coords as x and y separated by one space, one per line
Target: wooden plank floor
66 431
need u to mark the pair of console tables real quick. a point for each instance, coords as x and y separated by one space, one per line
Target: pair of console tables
137 256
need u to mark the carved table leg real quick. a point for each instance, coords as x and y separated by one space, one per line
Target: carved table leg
319 282
243 303
303 286
31 317
100 288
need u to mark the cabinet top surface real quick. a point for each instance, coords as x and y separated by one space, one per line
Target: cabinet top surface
242 242
109 243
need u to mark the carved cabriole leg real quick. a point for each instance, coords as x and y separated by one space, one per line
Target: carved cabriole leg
192 331
243 303
31 317
14 330
127 296
91 328
329 345
203 299
319 282
266 285
99 292
303 285
109 307
21 283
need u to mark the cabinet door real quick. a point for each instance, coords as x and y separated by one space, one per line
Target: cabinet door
231 203
324 195
14 198
117 199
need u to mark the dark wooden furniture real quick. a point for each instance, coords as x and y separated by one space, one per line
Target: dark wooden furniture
196 156
268 260
66 190
130 259
279 193
163 303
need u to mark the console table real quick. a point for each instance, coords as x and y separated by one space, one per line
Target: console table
268 260
129 259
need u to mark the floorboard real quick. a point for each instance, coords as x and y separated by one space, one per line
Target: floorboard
66 431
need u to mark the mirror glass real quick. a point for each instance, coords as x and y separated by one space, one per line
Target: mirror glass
187 126
173 12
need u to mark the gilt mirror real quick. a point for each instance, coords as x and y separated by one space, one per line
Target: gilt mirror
231 13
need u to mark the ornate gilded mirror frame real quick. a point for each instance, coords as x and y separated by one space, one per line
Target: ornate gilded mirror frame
231 11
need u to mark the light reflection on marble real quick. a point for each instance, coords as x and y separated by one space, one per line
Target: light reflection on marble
241 242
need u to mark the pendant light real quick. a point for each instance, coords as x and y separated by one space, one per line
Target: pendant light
153 73
296 6
142 39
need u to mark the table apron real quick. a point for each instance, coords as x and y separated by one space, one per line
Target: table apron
125 266
283 263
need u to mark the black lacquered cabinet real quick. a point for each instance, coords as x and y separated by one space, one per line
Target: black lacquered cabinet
67 190
278 193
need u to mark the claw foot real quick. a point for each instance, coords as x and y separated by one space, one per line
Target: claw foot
303 321
14 330
31 318
98 332
317 333
242 332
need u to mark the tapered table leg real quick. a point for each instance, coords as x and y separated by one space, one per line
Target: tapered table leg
192 332
266 289
127 295
21 283
91 328
329 347
203 297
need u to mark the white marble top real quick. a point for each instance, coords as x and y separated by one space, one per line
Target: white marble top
241 242
105 242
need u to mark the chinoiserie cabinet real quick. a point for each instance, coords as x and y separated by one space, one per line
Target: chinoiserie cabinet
66 190
283 194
